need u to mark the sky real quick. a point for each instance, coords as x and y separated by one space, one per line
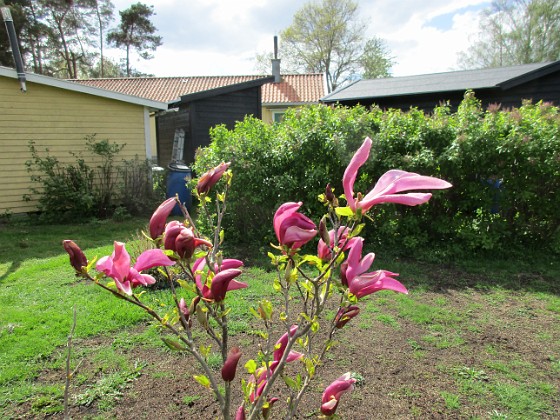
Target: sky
223 37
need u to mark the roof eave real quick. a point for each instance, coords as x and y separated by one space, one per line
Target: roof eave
546 69
89 90
221 90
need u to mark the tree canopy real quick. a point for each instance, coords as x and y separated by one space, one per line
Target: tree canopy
66 38
136 31
328 36
515 32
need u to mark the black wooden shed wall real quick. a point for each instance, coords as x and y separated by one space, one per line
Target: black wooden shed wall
196 117
546 88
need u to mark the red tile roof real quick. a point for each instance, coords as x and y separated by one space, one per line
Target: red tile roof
293 89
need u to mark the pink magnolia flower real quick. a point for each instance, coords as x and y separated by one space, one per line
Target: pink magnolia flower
211 177
181 239
222 280
354 274
389 185
344 315
157 222
230 365
293 229
117 266
77 257
325 252
332 393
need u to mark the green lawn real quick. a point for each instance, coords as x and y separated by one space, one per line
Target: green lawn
448 306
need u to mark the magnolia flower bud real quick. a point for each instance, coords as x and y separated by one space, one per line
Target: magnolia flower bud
344 315
157 222
210 178
77 257
329 195
230 365
323 231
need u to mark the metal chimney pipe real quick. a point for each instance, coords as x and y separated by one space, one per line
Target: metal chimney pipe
10 28
276 62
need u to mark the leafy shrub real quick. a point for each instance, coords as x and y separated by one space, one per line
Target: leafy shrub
503 164
68 191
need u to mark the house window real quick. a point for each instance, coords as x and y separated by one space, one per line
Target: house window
277 116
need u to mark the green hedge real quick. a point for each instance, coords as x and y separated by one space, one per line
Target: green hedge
504 165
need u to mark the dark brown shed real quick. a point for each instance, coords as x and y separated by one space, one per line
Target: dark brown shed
507 86
196 113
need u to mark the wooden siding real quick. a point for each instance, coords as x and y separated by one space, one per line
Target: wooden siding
59 120
198 116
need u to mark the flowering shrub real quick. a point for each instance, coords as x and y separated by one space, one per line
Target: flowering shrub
338 270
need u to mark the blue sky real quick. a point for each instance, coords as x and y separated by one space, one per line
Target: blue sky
221 37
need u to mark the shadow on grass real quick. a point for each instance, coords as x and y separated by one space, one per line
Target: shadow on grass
25 241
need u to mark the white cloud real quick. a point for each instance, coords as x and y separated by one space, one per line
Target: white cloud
222 36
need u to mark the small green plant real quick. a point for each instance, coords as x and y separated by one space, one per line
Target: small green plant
470 373
190 399
451 400
108 389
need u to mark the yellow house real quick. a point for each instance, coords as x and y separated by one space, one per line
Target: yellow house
58 115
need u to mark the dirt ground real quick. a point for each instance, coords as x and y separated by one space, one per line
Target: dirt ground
408 366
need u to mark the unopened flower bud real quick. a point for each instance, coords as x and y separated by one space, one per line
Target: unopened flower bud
77 257
329 195
230 365
157 222
323 231
210 178
194 302
185 311
344 315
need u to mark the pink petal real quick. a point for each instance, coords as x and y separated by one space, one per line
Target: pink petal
121 262
293 356
236 285
349 177
410 199
152 258
221 281
158 219
124 286
296 234
231 263
283 212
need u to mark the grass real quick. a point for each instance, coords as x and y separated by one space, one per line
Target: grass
38 292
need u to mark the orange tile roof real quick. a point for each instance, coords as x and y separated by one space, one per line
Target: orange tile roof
293 89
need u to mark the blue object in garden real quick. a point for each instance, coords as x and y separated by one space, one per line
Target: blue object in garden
177 178
496 185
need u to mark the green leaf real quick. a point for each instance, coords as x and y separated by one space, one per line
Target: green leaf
311 259
173 345
344 212
357 230
251 366
202 380
291 383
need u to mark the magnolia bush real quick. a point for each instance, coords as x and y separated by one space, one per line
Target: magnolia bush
195 266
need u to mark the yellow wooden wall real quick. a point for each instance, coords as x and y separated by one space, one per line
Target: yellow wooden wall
57 119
